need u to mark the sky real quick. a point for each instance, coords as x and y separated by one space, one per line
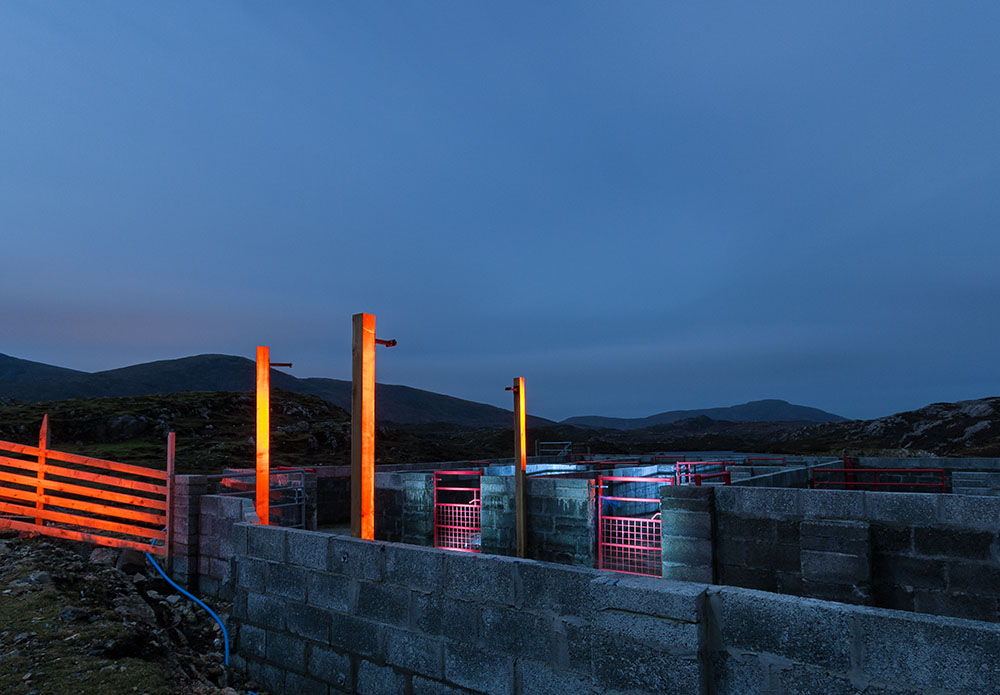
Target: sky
638 207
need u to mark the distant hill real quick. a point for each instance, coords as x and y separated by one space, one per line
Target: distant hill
771 410
964 428
24 380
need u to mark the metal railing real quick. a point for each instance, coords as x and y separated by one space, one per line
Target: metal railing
854 478
287 493
689 473
775 460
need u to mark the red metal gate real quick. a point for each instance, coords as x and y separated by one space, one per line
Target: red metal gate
628 538
457 510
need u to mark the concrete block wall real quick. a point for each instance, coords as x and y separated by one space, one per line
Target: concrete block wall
561 518
687 532
217 516
314 613
929 553
770 644
975 483
326 614
404 507
186 510
835 560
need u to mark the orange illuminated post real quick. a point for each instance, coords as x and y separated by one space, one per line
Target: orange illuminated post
43 445
363 427
520 468
263 438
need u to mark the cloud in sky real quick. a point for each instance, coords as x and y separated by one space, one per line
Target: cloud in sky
638 207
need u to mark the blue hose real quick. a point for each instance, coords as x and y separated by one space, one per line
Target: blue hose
225 633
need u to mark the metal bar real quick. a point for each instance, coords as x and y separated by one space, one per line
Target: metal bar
635 479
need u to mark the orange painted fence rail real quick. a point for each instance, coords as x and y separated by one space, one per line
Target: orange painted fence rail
82 498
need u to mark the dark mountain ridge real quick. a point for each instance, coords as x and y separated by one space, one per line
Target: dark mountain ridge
768 410
24 380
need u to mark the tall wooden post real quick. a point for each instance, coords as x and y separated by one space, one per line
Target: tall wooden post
263 439
43 445
363 427
520 468
171 452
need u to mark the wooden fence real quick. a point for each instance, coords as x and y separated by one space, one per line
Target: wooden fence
81 498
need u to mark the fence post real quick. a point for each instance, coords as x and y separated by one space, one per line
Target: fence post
520 470
43 445
171 451
263 438
600 522
363 426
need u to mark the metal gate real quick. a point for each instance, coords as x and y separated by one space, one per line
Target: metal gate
287 494
457 510
628 524
81 498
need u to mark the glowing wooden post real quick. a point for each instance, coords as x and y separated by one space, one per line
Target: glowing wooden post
363 427
43 445
171 451
263 438
520 468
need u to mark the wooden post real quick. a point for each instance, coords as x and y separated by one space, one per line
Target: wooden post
43 445
363 427
520 469
263 438
171 452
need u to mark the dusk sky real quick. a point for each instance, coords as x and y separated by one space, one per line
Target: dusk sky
637 206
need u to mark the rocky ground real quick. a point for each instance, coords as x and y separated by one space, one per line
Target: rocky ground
75 619
214 429
964 428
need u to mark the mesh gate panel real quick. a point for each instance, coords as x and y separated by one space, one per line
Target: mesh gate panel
631 545
458 526
458 511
